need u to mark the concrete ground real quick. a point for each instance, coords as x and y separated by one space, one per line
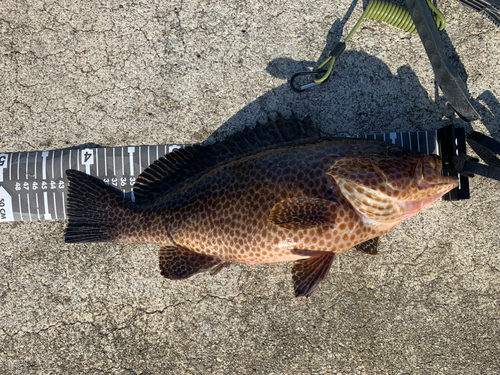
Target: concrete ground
157 72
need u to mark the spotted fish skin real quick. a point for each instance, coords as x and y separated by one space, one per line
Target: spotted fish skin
276 200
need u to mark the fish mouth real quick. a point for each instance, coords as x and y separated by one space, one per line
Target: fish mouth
429 169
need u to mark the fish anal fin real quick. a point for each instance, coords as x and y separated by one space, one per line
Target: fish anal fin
303 213
308 273
177 263
369 247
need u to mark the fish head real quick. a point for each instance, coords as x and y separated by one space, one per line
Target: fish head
391 186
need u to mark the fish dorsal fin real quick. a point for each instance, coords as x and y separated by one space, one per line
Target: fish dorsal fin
302 213
308 273
177 263
369 247
173 169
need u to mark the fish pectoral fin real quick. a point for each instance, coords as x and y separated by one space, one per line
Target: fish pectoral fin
177 263
308 273
369 247
302 213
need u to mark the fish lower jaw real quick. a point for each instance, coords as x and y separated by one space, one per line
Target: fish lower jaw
414 207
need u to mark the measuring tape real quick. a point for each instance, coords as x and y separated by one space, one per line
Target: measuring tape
33 185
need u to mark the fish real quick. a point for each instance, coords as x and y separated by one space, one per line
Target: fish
277 192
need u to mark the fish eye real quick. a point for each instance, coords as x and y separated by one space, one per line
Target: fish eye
395 151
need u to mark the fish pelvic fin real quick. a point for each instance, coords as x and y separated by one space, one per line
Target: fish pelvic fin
303 213
369 247
308 273
94 209
178 263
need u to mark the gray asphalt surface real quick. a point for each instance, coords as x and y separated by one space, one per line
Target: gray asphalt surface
119 73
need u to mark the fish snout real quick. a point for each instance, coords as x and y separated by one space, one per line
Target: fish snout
431 173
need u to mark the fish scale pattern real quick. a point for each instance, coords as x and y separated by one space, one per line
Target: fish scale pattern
278 192
227 211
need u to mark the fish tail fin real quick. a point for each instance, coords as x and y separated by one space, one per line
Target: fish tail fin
94 209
